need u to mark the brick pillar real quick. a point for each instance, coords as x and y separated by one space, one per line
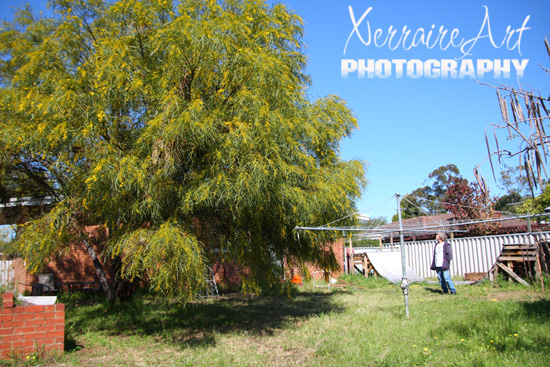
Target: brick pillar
7 300
30 329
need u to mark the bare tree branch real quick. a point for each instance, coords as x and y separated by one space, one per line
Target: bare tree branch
526 129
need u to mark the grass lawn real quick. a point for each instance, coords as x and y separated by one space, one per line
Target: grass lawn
484 325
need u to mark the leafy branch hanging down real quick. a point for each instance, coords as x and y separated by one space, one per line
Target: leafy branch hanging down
525 112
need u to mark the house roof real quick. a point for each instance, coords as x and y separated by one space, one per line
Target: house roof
425 227
16 208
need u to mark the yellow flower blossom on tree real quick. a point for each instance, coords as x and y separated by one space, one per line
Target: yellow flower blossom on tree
183 127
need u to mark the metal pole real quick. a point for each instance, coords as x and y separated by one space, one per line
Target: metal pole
404 281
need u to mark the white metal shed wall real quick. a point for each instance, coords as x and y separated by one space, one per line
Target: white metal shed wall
470 254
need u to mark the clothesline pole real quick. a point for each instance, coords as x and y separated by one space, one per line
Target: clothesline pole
405 281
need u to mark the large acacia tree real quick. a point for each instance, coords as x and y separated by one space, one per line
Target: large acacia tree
183 128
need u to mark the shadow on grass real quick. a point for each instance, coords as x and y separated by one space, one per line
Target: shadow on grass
433 290
197 323
539 310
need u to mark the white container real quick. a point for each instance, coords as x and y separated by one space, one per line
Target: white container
39 300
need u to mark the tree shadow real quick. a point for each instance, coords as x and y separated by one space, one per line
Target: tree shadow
539 310
197 323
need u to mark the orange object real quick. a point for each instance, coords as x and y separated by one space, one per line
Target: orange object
296 280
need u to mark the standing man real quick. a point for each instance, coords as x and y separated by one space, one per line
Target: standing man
443 254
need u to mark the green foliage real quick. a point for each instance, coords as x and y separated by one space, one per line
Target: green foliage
182 128
538 204
6 240
365 242
428 200
359 280
508 203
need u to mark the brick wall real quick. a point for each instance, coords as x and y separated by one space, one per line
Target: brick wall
230 273
338 249
226 272
26 330
74 265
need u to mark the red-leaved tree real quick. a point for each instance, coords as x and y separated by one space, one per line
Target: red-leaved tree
468 203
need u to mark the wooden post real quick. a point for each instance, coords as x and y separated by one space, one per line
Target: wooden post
539 267
350 257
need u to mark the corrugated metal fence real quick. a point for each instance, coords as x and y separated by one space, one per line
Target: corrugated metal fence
6 272
472 254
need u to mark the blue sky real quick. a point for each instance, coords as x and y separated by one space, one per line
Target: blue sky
411 126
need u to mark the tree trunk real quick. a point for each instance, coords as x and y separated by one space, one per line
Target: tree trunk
123 289
99 269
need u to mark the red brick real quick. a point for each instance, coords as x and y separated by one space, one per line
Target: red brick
54 334
54 321
33 309
46 315
60 307
45 341
6 318
7 331
44 328
60 340
34 322
75 265
7 300
18 310
23 344
28 343
4 353
25 330
33 336
26 316
13 338
14 323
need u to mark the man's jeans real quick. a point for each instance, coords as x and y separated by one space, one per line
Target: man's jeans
445 280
